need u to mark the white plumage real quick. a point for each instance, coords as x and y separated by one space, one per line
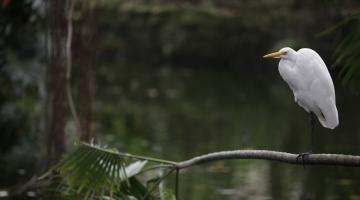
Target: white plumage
309 79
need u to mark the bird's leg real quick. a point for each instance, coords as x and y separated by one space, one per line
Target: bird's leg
312 124
312 139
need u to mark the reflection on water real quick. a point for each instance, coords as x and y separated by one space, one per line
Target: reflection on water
177 113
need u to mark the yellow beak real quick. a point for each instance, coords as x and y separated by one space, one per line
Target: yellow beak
274 55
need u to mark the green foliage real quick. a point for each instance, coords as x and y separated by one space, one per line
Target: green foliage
184 34
22 90
92 172
347 52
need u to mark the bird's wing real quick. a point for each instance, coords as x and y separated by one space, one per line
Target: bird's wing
315 73
318 86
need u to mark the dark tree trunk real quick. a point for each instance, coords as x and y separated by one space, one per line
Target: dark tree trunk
86 92
85 51
57 81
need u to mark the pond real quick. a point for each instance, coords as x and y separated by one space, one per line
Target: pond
177 113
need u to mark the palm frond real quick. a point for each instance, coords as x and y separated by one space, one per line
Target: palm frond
347 51
339 25
93 172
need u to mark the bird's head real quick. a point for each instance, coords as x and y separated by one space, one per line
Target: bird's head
284 53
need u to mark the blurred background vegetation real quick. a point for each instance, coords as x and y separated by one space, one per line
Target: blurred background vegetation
174 79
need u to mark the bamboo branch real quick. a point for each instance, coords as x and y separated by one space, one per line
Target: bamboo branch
312 159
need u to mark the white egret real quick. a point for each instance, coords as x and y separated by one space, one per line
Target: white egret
309 79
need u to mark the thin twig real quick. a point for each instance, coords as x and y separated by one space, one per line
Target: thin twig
69 63
177 184
161 166
70 10
157 183
127 155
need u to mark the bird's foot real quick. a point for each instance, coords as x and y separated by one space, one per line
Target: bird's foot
302 158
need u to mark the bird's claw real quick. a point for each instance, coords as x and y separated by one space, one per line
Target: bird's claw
303 157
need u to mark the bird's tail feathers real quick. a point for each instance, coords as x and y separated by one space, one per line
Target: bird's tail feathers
329 118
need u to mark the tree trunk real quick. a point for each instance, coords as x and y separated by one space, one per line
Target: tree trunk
85 52
86 92
57 81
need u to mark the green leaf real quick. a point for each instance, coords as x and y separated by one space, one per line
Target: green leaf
347 51
92 172
339 25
